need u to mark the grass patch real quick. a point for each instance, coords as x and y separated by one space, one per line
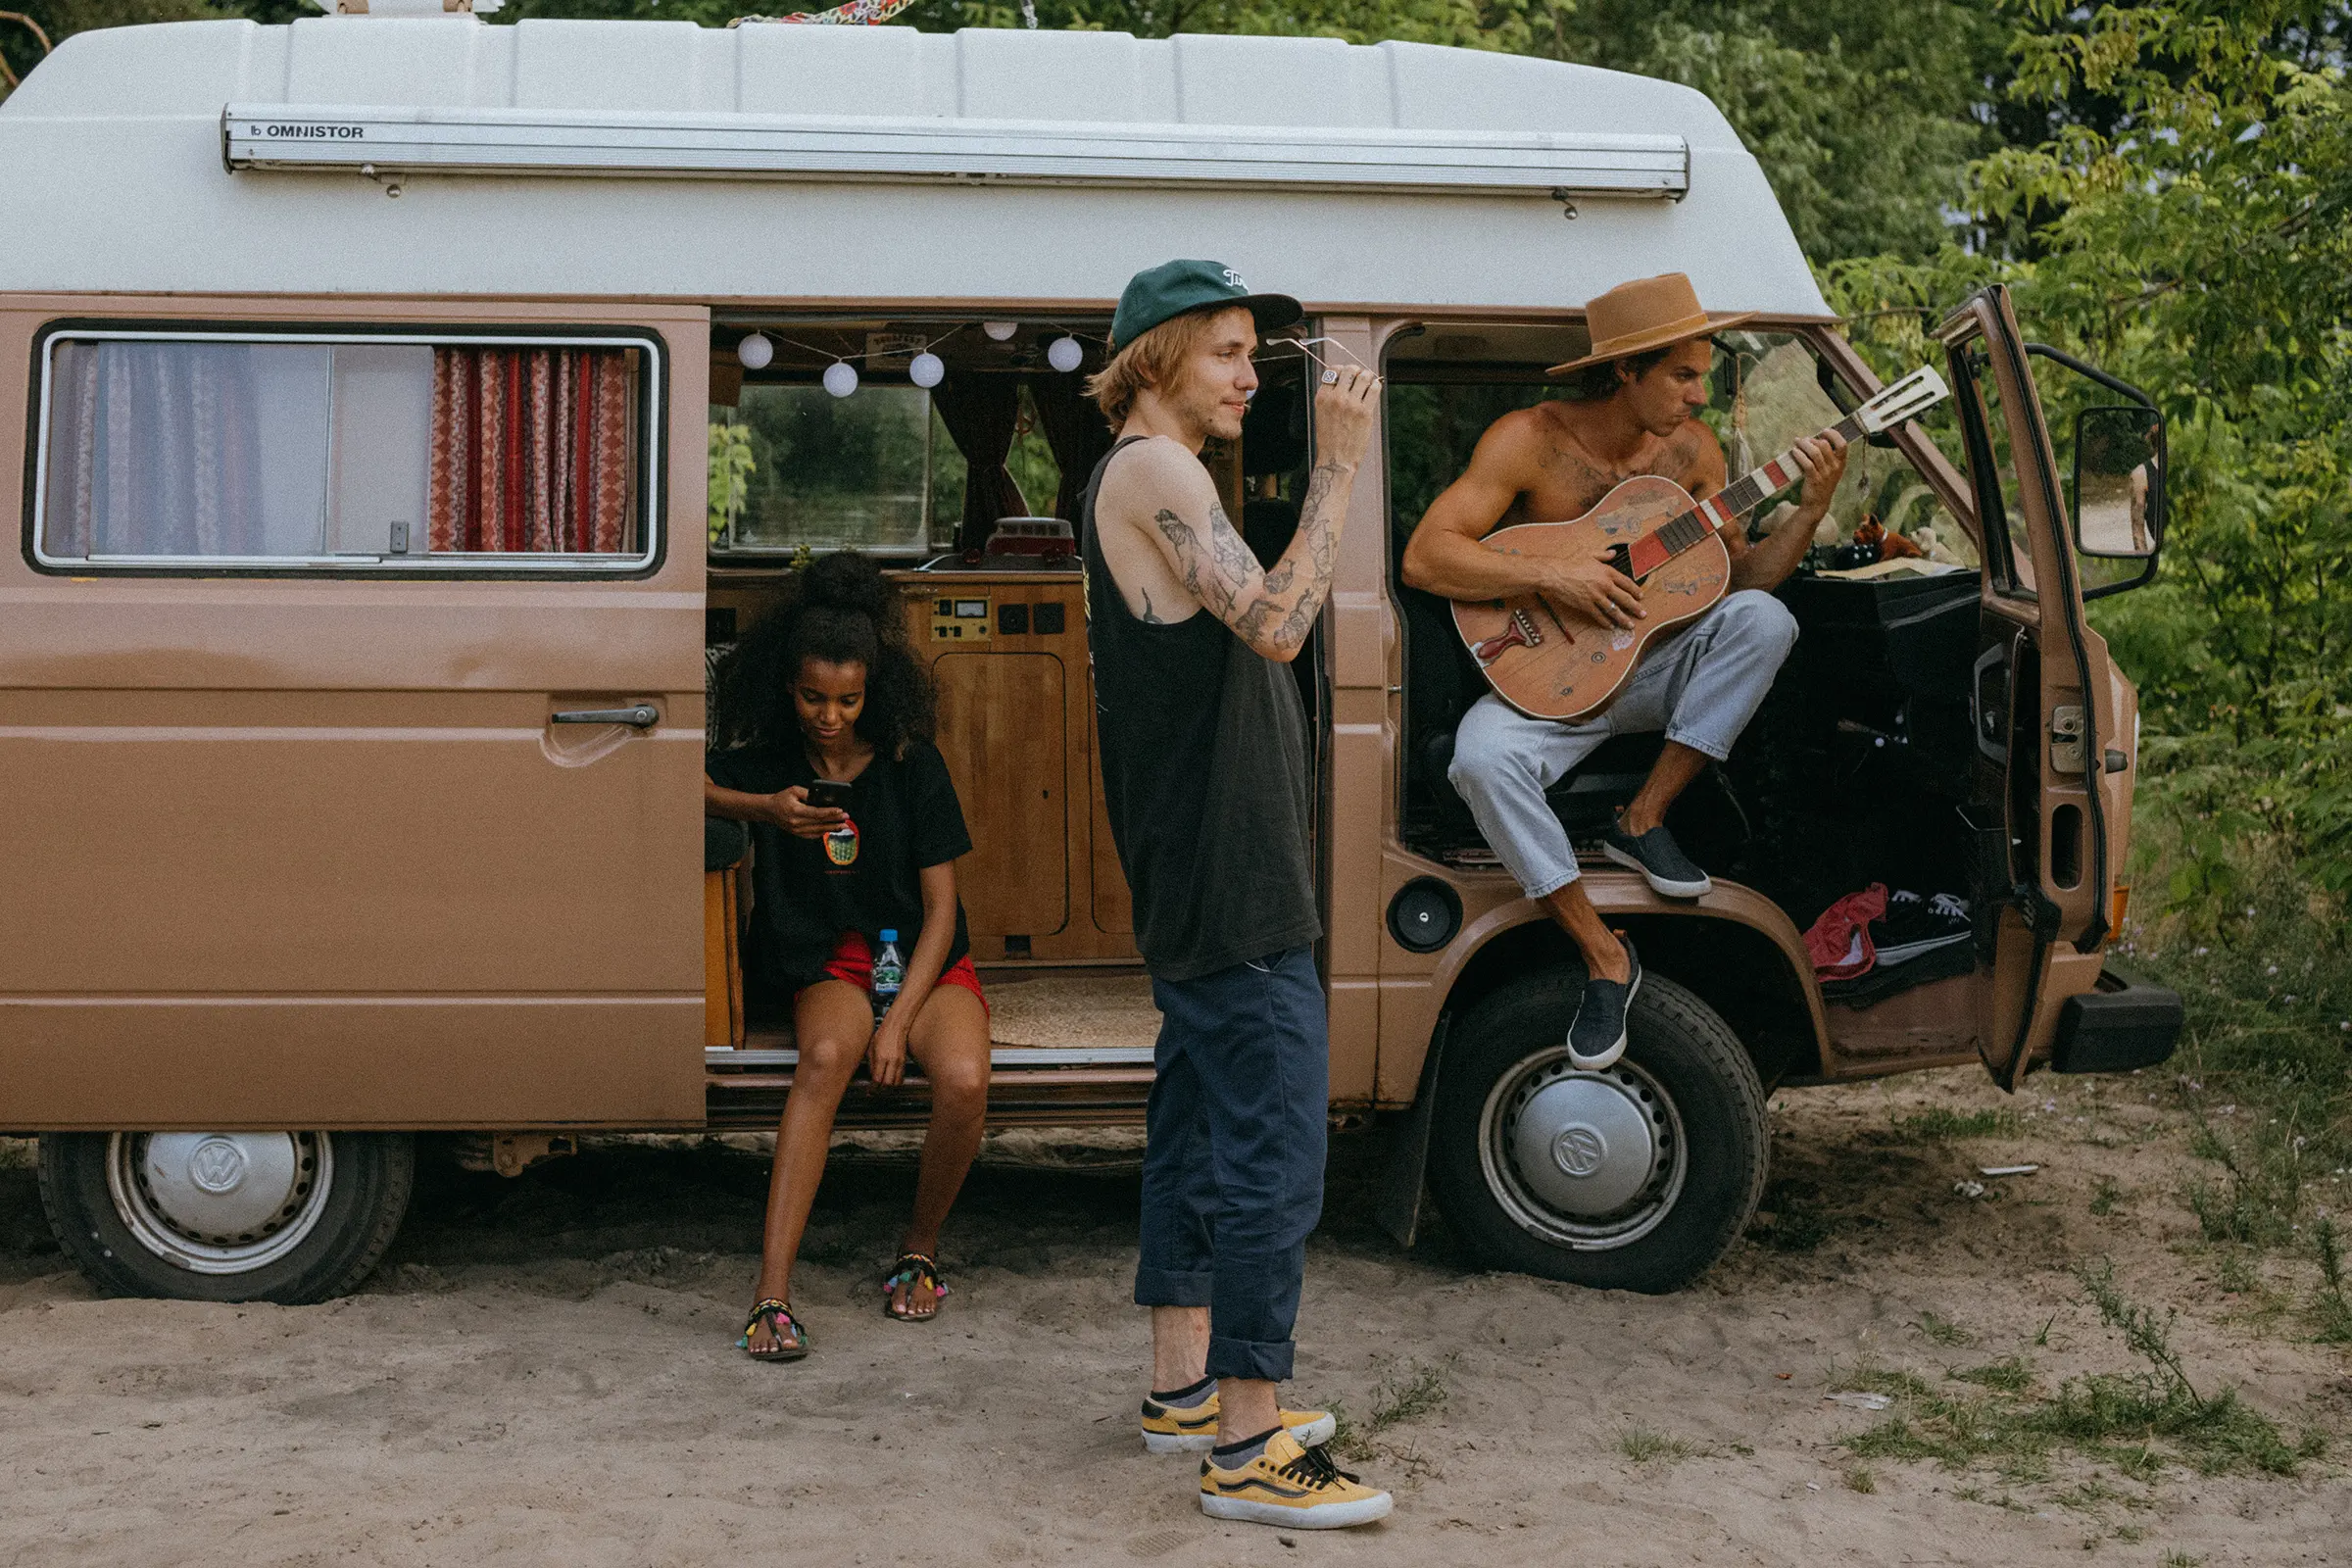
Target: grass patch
2331 1314
2135 1423
1859 1478
1404 1395
1941 1126
2105 1196
1871 1379
1640 1445
2008 1375
2236 1276
1942 1331
2263 1072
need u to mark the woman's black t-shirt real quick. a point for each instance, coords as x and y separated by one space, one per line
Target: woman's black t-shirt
808 892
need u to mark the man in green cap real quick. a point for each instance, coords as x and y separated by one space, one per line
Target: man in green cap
1203 750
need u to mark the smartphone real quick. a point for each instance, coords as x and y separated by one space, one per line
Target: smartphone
829 795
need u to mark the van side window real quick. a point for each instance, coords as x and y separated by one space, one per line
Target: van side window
356 454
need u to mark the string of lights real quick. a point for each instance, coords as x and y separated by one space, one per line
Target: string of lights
756 351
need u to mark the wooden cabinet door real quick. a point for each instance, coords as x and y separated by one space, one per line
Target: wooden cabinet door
1005 735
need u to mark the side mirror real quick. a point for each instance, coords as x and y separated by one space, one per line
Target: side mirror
2119 481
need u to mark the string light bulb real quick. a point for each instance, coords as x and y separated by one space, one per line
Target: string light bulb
926 370
754 353
1000 331
1066 354
841 378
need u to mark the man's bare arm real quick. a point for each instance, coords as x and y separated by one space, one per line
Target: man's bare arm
1272 611
1444 554
1768 563
1448 557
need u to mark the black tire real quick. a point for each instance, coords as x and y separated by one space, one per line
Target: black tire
348 1198
1685 1078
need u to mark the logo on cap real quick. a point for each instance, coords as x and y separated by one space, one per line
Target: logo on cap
1234 278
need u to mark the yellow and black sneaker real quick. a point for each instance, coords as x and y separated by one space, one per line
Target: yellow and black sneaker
1290 1485
1172 1429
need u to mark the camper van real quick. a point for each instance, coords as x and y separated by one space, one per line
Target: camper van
405 408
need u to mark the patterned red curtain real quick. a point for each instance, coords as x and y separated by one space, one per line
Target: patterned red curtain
531 450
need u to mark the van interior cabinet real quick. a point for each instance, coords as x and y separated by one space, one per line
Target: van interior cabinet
1008 656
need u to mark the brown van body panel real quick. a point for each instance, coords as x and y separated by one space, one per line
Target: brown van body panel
1416 987
394 1062
1359 632
306 851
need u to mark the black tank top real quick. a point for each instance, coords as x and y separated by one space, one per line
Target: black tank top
1203 749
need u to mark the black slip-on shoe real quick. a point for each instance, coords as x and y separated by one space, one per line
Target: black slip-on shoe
1914 926
1670 872
1597 1034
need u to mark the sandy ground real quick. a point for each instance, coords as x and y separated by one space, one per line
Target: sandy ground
543 1372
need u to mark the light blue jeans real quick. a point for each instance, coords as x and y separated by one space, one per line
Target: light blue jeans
1701 687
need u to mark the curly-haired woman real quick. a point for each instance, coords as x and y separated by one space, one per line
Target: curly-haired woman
824 689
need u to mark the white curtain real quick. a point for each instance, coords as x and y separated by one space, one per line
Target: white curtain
157 449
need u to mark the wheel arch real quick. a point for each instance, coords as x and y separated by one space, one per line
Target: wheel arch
1735 949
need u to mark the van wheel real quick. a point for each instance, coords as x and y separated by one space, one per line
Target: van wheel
287 1217
1634 1178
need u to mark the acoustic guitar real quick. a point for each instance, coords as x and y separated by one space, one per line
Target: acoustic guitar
1551 663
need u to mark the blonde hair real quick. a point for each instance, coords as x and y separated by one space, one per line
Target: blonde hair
1150 361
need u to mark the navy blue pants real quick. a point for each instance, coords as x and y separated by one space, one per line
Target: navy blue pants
1232 1155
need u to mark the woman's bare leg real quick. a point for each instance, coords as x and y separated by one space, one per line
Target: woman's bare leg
832 1021
950 1038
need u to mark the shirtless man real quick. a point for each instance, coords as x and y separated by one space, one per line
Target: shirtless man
1204 747
1629 409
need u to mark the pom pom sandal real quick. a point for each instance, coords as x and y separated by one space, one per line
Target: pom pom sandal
918 1274
780 1322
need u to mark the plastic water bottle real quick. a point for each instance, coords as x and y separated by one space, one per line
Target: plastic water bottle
889 972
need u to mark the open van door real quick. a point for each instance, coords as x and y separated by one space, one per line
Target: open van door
2045 706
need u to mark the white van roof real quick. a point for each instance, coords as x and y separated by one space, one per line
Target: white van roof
115 150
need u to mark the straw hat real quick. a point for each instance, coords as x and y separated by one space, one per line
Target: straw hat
1649 313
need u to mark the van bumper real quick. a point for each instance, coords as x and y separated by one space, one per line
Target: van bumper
2122 1024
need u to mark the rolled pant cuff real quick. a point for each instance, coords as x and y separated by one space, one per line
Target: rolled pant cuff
1267 1362
1546 886
1706 745
1160 1286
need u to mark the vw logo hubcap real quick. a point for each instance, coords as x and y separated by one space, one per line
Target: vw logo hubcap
1580 1149
216 1165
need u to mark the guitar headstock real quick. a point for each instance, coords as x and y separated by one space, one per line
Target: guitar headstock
1914 395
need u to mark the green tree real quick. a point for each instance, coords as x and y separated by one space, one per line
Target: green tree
1865 116
2199 243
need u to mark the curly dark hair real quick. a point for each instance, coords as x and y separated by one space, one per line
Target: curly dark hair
840 611
1597 383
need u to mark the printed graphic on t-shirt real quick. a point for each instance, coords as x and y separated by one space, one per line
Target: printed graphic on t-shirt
841 845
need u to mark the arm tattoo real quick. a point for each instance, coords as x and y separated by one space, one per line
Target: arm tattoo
1271 610
1149 617
1217 574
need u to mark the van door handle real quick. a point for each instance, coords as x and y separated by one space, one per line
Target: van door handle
645 715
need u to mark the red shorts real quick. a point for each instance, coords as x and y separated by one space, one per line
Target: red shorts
853 963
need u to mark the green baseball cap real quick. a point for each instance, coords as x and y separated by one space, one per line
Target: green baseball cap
1171 289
